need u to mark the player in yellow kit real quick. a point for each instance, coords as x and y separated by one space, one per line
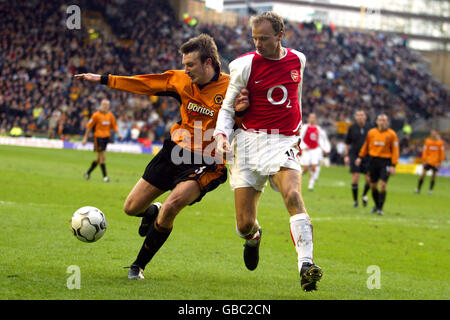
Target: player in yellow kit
184 165
433 154
381 145
102 122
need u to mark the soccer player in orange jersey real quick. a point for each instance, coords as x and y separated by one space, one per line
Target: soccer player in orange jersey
200 89
102 121
381 145
433 154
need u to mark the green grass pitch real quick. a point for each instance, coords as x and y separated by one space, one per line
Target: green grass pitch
202 259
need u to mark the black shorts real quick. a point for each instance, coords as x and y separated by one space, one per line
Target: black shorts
427 167
379 169
100 144
362 168
164 174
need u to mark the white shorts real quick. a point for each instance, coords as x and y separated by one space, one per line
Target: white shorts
255 174
311 157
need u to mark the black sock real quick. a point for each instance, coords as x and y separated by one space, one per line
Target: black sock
431 184
149 213
375 197
152 243
366 188
420 184
355 191
93 165
102 165
381 199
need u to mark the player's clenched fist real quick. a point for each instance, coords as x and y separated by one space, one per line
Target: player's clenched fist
223 146
92 77
241 103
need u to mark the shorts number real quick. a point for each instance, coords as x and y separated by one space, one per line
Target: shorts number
200 170
290 153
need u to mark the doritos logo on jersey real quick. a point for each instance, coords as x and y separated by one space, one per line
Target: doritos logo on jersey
196 109
295 75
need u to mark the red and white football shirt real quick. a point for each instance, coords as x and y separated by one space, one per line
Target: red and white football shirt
274 86
311 137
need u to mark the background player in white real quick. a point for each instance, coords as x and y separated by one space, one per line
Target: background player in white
267 148
314 144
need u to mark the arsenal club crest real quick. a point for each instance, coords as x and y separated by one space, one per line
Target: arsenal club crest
295 75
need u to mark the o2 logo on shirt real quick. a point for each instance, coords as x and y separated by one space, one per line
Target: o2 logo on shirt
283 100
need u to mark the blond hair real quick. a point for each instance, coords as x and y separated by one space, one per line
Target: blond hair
274 18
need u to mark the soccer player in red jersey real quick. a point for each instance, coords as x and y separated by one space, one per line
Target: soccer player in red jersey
268 146
314 144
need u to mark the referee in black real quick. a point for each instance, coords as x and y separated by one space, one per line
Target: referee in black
353 142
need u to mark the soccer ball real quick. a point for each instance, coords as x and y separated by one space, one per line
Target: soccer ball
88 224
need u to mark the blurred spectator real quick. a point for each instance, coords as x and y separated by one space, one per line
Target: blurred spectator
135 132
124 125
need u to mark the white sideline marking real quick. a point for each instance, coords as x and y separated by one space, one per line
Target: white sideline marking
11 203
435 224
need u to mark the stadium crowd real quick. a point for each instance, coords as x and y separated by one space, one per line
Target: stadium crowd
39 55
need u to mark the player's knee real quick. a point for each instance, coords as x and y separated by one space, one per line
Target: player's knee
129 208
245 227
294 198
172 207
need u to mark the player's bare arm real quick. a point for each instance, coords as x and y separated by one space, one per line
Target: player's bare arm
392 170
347 158
91 77
85 138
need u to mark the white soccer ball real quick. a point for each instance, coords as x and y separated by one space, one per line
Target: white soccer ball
88 224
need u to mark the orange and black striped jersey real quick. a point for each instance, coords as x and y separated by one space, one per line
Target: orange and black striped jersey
433 152
103 123
381 144
199 108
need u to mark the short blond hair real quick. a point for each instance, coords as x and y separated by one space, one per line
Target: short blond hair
274 18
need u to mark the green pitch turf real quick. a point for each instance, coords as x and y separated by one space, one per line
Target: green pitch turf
407 248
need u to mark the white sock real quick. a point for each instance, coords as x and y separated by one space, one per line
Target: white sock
311 180
253 237
316 173
302 236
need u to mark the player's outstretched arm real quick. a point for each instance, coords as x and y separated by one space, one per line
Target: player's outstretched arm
91 77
